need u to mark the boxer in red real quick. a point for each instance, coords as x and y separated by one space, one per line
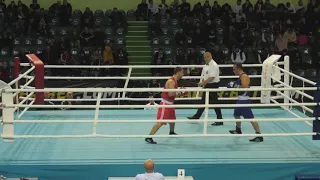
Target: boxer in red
167 99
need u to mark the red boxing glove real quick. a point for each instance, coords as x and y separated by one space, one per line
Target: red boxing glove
183 91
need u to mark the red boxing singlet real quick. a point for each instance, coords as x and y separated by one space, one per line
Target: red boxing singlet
165 95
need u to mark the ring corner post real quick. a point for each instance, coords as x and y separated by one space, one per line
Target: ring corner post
286 79
39 76
7 116
316 113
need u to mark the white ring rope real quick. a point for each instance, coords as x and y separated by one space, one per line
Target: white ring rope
295 76
160 106
297 91
133 78
139 99
155 136
25 109
154 89
153 121
137 66
294 101
294 114
21 76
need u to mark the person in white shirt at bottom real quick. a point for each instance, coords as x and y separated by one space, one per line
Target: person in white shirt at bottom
151 104
210 80
149 174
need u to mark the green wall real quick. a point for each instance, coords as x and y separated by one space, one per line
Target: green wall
130 4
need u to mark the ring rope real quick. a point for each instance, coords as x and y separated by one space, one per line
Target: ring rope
21 76
161 106
133 78
140 99
295 76
26 108
155 89
153 121
154 136
294 114
137 66
297 91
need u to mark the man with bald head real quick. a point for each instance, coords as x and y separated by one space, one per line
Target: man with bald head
149 174
210 79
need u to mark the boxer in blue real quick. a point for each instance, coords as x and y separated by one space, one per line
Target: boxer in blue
246 112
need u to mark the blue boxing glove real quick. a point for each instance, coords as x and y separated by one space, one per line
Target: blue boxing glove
230 84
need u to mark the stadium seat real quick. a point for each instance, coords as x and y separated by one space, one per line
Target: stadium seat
77 13
131 13
15 52
98 13
166 41
28 41
108 13
174 22
17 41
300 72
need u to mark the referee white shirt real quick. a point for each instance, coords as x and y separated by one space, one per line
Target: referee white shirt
150 176
211 70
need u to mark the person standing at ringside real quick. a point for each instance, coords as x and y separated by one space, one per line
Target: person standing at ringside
211 79
246 112
167 99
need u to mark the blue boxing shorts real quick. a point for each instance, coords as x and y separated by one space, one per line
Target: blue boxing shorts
246 112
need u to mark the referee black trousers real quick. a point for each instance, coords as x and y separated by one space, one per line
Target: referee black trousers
213 99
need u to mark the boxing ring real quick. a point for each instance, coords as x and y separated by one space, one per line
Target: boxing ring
102 141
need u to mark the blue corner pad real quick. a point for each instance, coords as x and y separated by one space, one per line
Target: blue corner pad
307 177
316 113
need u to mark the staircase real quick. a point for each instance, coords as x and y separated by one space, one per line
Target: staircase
138 47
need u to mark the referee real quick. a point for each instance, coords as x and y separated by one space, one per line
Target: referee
210 80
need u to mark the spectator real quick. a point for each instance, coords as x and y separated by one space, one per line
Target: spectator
154 84
300 6
206 7
246 6
238 56
290 35
185 8
193 57
237 7
96 57
281 43
163 8
122 59
66 13
151 104
108 56
180 37
180 57
216 10
290 8
42 27
259 6
240 16
86 37
154 28
55 9
4 72
153 8
149 174
142 11
35 6
74 40
159 57
116 17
